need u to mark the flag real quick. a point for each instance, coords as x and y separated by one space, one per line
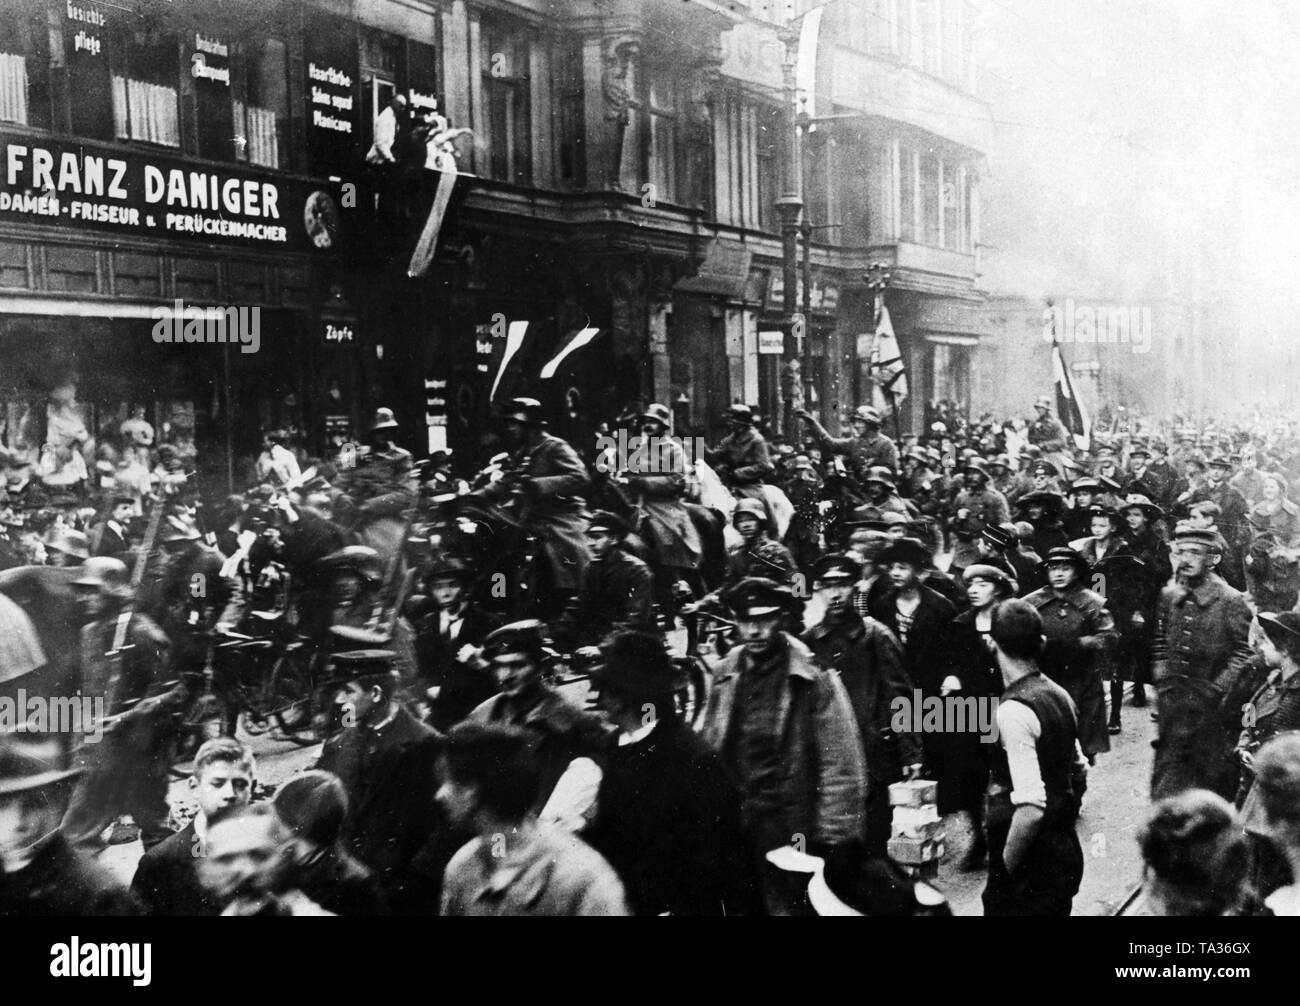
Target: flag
887 368
1069 408
572 346
514 339
428 243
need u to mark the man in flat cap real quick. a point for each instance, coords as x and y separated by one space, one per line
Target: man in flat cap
869 661
385 757
786 729
1201 650
617 590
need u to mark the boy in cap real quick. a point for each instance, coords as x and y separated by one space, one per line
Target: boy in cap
617 589
787 732
869 661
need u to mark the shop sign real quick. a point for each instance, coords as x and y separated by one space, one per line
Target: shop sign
825 296
339 331
84 187
771 342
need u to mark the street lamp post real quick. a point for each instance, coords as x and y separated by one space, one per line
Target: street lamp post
789 206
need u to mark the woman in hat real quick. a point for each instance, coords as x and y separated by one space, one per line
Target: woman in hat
1042 508
1145 542
1274 708
1277 779
971 670
1080 633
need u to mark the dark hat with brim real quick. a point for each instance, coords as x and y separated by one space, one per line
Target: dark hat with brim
993 574
31 761
906 550
1043 497
1066 556
976 465
446 567
1087 484
757 597
524 410
1282 629
1044 468
997 537
853 883
637 663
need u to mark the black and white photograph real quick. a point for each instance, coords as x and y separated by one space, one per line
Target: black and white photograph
651 458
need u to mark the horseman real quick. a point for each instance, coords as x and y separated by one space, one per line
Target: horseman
553 480
382 483
656 474
741 459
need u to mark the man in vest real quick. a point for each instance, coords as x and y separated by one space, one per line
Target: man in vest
1037 779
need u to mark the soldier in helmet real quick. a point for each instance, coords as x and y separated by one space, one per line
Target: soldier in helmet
741 458
382 483
866 448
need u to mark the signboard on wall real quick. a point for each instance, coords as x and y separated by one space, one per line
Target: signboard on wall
333 112
771 342
85 187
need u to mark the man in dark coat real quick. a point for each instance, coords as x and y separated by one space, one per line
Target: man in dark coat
1202 647
1151 550
866 448
562 731
617 589
786 730
553 480
110 537
386 759
452 672
999 545
166 879
1234 523
41 875
916 615
869 661
658 805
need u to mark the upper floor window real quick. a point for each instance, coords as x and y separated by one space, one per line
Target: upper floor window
505 57
261 102
146 69
569 105
24 65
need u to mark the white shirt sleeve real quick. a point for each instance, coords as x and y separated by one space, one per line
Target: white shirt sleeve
1019 731
572 803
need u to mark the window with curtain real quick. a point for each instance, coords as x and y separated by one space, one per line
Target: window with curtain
144 83
745 163
951 193
505 58
261 101
907 194
24 66
929 198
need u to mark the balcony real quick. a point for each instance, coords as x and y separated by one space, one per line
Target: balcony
885 87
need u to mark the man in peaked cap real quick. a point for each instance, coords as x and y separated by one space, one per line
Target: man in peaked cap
1234 512
999 545
787 732
659 804
41 875
1201 651
562 731
869 661
867 448
386 759
617 590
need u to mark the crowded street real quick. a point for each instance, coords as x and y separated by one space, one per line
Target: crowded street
649 458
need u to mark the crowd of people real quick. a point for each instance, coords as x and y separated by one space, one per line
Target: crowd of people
463 773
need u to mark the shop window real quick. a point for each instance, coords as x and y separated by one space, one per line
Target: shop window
506 61
24 67
145 104
261 101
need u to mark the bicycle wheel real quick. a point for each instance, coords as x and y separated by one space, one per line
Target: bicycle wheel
291 692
